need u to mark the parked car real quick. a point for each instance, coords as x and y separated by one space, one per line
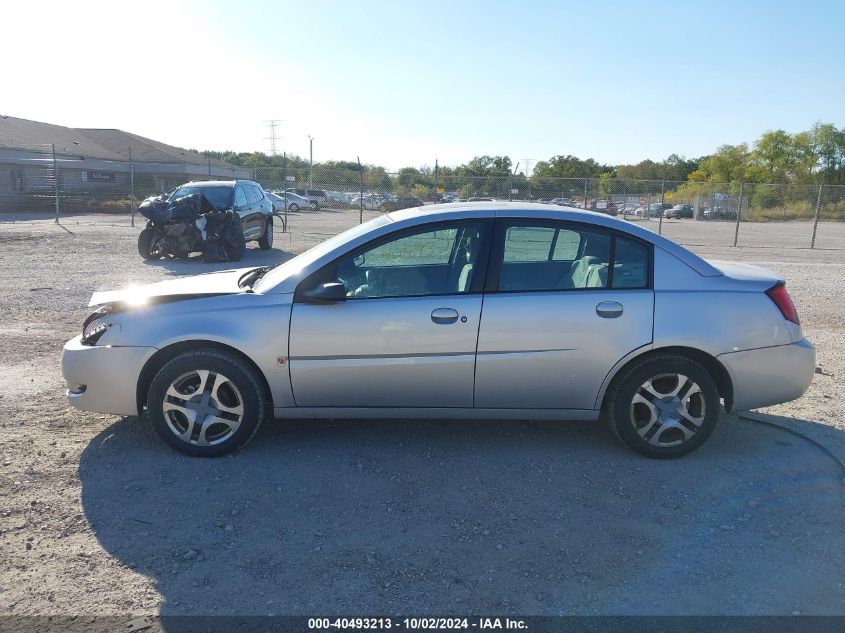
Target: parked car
294 201
244 197
371 201
679 211
564 202
718 213
316 196
585 317
401 202
628 208
480 199
338 198
603 206
653 210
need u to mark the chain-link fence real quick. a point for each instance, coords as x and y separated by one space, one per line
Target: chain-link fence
44 181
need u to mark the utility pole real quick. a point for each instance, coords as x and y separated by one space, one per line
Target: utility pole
273 124
310 161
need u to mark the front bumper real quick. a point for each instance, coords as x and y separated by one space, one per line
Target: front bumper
770 375
103 378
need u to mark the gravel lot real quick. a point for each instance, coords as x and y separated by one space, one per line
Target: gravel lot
98 517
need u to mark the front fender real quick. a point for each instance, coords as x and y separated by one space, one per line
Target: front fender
255 325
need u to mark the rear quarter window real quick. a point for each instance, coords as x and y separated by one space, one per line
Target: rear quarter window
630 268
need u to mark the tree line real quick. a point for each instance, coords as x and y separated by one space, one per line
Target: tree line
815 156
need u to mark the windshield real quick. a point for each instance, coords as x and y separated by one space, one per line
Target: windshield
220 197
282 271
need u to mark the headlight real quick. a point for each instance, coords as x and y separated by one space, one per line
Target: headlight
96 324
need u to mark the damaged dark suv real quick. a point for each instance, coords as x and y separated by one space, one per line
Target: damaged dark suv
180 222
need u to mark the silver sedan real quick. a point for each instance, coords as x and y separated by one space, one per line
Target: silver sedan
293 201
486 310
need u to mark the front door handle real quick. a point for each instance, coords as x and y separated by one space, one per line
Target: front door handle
444 315
609 309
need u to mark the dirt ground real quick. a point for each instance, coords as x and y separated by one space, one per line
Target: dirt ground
411 517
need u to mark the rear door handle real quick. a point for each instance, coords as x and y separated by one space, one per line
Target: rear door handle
609 309
444 315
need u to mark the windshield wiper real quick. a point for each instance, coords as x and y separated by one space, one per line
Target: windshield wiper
248 280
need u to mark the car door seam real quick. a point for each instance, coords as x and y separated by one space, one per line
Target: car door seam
287 364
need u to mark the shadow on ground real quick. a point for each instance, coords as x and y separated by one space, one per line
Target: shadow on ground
194 265
439 517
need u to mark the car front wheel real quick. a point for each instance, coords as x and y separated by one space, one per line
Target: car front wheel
206 403
664 407
294 207
149 246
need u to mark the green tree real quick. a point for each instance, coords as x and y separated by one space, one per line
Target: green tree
828 144
727 164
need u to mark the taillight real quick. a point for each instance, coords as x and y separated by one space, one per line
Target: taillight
780 296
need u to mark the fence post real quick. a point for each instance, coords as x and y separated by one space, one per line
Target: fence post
662 197
285 187
55 179
816 218
209 167
361 196
132 186
624 200
738 215
586 184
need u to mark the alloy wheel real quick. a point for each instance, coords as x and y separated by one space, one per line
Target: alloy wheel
668 409
203 408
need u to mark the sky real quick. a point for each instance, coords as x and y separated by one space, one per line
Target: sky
403 83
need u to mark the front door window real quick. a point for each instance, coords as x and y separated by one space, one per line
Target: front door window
422 263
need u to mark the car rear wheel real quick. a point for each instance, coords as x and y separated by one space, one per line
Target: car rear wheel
266 241
206 403
664 407
149 247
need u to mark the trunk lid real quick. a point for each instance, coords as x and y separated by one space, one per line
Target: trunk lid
746 272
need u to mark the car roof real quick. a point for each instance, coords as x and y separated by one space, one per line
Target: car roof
505 209
210 183
217 183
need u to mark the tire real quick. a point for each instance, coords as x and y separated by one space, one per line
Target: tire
230 388
265 242
315 206
235 253
294 207
146 244
668 427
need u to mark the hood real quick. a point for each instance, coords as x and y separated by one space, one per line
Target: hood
745 272
217 283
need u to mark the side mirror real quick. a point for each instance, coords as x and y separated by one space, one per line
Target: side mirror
328 292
